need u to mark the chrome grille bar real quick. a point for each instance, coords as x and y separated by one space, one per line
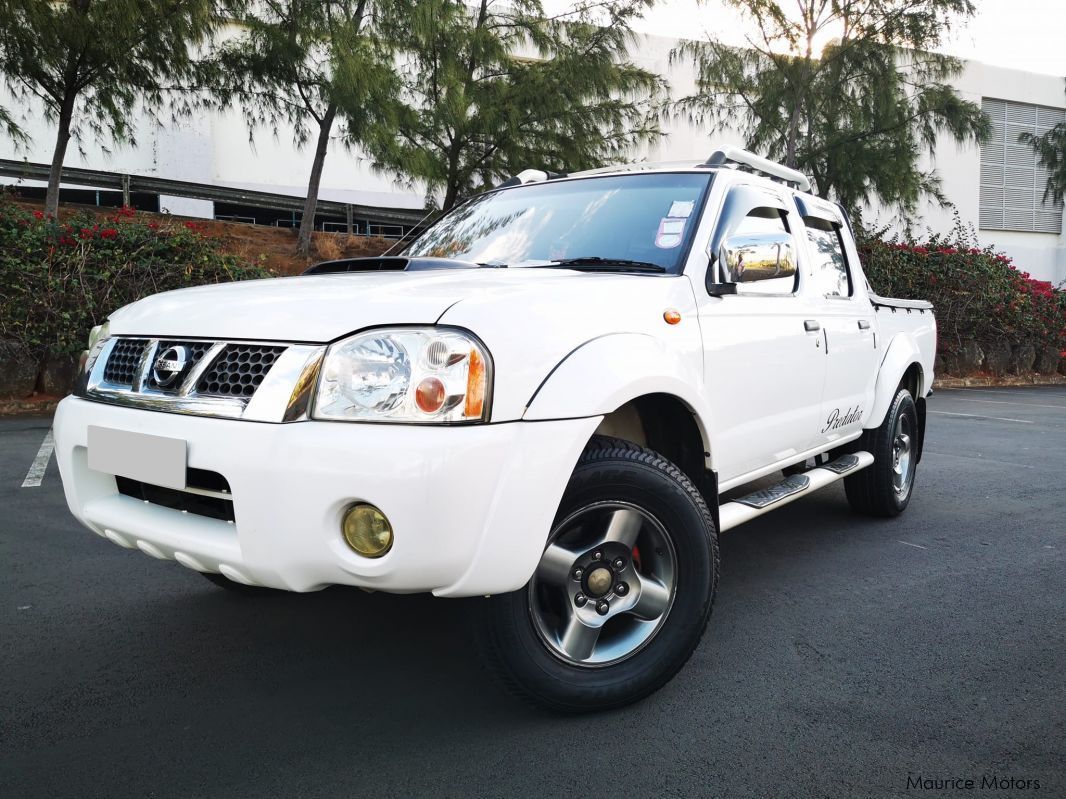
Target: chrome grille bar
269 403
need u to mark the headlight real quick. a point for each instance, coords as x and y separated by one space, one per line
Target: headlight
417 374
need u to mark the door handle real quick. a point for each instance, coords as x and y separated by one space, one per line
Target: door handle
810 325
864 324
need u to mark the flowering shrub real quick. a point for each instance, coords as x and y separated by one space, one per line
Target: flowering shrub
979 295
59 278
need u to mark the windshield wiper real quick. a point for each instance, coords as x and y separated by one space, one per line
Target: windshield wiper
594 262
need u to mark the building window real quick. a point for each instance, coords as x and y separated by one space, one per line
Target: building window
1012 182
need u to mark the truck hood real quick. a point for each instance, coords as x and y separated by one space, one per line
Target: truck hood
318 309
321 308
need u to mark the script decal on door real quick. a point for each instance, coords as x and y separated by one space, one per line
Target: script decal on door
836 421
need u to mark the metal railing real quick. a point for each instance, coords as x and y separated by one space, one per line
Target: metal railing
373 216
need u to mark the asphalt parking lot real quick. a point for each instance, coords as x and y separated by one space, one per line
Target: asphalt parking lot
845 656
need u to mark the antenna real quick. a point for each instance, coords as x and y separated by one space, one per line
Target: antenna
399 241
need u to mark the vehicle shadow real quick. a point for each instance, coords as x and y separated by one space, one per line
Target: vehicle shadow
347 651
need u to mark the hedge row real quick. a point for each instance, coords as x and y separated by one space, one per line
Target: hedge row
984 303
60 278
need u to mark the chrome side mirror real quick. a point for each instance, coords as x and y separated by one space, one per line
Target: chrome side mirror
757 256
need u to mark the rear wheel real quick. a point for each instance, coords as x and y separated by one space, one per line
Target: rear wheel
622 593
884 488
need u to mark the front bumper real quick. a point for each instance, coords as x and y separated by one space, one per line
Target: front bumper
470 506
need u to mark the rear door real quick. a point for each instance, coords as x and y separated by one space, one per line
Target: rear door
846 318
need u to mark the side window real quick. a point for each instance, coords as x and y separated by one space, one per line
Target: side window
762 255
829 267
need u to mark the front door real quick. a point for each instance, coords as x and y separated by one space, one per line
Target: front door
765 359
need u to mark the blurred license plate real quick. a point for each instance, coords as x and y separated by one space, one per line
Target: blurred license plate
151 459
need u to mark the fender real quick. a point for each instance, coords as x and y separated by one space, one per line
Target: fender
902 352
605 373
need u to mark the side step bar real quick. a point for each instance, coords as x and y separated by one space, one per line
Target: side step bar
791 488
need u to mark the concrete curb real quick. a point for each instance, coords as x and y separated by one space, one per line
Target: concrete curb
987 381
30 406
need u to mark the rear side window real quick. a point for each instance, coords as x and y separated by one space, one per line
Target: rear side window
829 267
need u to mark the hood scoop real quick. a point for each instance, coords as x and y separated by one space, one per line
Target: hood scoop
386 264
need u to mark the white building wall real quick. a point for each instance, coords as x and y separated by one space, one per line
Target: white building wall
215 148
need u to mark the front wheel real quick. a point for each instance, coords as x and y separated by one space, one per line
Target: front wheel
623 590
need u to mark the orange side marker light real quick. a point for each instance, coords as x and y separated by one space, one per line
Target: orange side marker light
475 387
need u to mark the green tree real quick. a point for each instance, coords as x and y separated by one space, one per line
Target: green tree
90 62
859 114
321 68
1050 149
491 89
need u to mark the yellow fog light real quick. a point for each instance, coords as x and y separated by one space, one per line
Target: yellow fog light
367 531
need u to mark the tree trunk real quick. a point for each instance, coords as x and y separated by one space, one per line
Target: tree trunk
450 196
793 135
307 223
454 181
55 174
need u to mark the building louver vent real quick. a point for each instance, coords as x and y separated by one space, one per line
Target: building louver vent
1012 182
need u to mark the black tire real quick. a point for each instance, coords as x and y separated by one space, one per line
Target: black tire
874 491
236 588
611 471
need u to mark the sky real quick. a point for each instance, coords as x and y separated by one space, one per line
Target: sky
1021 34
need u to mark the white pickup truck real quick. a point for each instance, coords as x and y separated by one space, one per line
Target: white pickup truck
557 397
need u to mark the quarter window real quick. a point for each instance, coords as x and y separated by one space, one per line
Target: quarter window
829 267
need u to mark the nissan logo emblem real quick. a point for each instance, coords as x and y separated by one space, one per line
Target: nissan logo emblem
168 367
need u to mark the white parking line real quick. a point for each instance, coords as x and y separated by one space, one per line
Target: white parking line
40 464
1004 402
981 416
980 458
908 543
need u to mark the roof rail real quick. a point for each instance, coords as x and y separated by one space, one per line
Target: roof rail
757 163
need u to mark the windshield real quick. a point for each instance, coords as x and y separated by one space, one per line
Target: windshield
644 218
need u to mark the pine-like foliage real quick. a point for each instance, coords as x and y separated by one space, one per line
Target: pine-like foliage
90 62
859 116
491 89
1050 149
318 68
